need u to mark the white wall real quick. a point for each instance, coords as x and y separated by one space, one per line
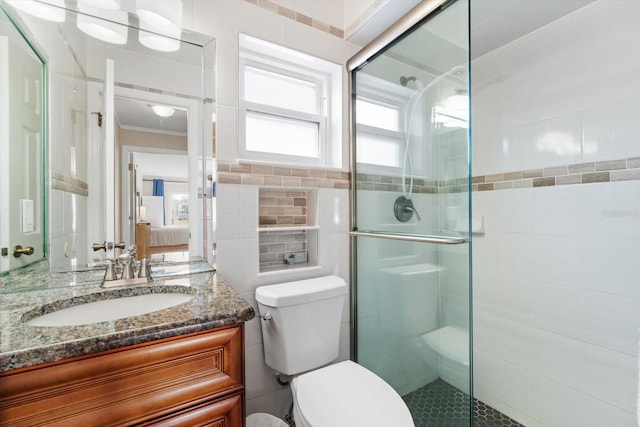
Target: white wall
555 276
237 216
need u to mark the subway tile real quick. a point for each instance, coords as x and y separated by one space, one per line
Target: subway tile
291 182
309 182
588 178
478 179
240 168
533 173
493 178
335 174
510 176
611 165
544 182
299 172
625 175
555 171
633 162
582 168
569 179
277 170
251 179
320 173
272 180
262 170
304 19
286 12
498 186
485 187
229 178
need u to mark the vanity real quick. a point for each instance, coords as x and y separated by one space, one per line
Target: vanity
178 366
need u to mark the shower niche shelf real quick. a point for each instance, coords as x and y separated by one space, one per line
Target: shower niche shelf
287 229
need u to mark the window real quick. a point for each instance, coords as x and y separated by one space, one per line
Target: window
289 106
379 115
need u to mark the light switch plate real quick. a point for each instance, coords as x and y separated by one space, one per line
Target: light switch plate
26 206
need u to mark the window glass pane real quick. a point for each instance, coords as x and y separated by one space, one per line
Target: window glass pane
377 115
272 134
265 87
377 150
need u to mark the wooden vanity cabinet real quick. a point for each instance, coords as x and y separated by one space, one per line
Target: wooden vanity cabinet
191 380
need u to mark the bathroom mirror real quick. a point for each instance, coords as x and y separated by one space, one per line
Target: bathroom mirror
101 95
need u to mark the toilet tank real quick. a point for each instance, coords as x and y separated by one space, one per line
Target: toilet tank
303 332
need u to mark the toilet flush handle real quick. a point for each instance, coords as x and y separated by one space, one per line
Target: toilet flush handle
266 316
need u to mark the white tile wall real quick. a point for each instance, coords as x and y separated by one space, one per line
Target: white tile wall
555 276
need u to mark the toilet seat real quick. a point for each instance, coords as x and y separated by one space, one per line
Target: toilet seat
347 394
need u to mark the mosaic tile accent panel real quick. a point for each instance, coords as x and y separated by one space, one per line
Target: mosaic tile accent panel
282 208
582 173
62 182
439 404
281 176
298 17
275 245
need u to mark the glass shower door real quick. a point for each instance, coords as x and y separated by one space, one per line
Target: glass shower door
411 215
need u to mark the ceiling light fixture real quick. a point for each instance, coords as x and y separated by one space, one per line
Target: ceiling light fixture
111 27
163 111
155 39
51 10
161 14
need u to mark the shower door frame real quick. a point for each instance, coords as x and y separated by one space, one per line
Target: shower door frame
404 26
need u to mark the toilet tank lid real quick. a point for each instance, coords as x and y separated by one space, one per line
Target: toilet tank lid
301 291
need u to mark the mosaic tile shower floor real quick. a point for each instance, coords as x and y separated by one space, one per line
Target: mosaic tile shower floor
439 404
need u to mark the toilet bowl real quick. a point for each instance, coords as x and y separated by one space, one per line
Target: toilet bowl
346 394
301 331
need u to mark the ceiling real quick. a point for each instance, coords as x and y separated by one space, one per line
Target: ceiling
494 23
138 115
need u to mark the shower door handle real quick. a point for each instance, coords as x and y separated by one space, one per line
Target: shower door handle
420 238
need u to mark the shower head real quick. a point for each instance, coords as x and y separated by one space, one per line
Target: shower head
404 80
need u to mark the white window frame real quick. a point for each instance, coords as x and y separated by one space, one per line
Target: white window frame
275 59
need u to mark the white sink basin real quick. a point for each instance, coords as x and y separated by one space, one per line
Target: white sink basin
110 309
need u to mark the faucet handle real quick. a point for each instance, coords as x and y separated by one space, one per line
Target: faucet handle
127 266
120 245
99 246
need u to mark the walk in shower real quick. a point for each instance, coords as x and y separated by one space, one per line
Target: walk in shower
411 235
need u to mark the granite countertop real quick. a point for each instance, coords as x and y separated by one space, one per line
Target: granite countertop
215 303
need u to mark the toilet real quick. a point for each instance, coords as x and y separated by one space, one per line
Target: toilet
301 332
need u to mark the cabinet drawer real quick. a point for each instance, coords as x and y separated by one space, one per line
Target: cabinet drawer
128 385
227 412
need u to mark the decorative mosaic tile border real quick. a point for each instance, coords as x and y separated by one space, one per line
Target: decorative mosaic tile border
281 176
582 173
298 17
68 184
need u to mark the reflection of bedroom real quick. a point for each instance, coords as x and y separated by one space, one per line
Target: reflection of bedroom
162 189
